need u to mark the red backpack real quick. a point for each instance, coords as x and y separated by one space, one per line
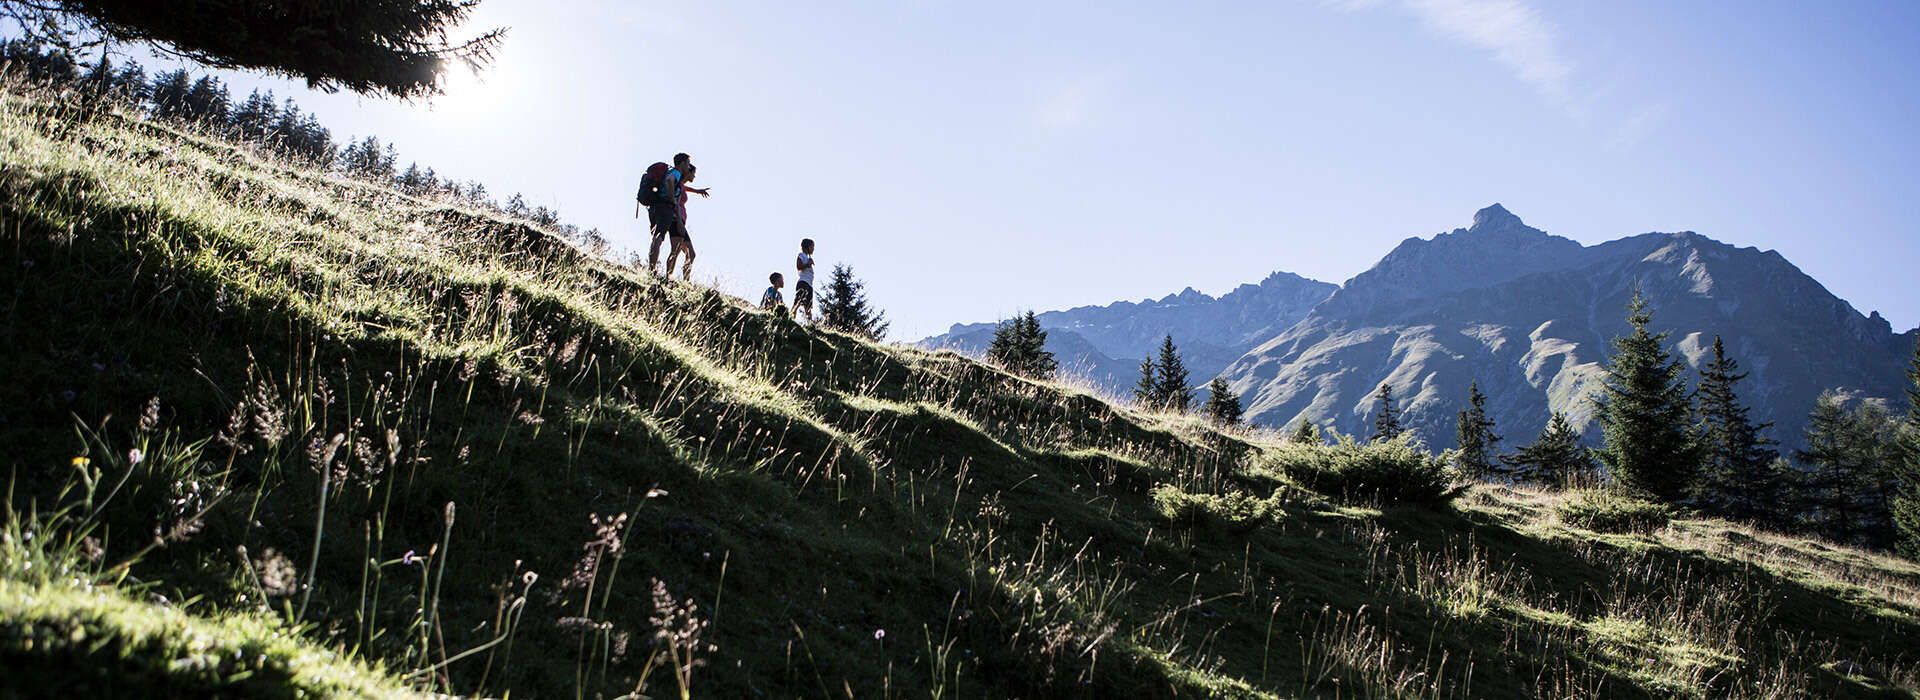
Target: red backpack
653 186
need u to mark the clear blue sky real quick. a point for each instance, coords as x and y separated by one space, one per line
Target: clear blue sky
973 159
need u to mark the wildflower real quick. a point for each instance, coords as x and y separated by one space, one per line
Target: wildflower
150 415
408 559
91 549
879 634
582 624
81 462
529 577
656 493
234 435
135 457
323 392
366 455
269 421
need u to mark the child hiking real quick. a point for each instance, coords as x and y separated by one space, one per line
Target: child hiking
770 299
663 191
803 282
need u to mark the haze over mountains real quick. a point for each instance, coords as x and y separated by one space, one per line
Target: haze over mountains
1525 313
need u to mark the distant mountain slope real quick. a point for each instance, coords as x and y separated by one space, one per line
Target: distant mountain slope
1106 343
1528 315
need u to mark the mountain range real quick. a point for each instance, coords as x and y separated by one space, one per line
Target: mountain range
1526 314
1105 344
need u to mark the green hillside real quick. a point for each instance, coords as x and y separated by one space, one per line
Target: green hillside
273 431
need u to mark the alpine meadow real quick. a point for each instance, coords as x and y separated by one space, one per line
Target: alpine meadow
283 419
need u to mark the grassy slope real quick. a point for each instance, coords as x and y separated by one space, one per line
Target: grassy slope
848 517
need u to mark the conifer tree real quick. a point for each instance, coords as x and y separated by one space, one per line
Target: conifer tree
39 62
844 307
207 101
1906 472
1223 406
1004 349
1849 452
1020 345
1386 416
1171 387
1740 474
411 180
1476 436
1555 457
1645 415
516 205
169 94
1305 433
255 116
130 83
392 47
1147 392
1040 361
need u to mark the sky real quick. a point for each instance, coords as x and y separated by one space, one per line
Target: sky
974 159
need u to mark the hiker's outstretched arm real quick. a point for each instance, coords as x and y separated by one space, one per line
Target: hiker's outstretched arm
702 191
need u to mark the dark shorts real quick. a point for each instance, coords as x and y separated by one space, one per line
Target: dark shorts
803 294
664 220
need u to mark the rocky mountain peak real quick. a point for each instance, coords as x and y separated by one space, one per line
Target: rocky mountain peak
1495 217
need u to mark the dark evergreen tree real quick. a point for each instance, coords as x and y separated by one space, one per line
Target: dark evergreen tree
392 47
1555 457
1645 415
169 94
1906 472
1040 361
38 62
1475 435
313 142
1386 416
1305 433
411 180
1223 406
1147 392
130 84
543 216
1740 476
1850 454
1020 345
516 205
256 116
206 101
844 307
1171 387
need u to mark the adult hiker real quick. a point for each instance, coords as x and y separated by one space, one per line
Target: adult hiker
663 192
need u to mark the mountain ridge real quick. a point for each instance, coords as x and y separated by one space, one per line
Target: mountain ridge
1567 301
1499 301
1105 343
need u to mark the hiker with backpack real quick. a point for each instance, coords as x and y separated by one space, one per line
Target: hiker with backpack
663 191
